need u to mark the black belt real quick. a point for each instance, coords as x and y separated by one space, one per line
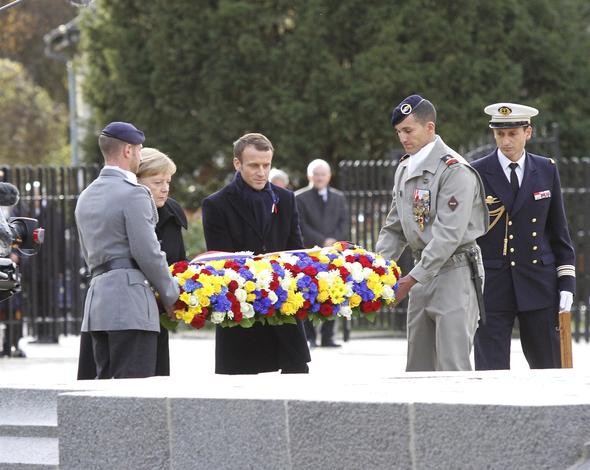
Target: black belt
117 263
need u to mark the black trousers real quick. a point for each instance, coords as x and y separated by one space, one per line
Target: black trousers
539 338
87 367
124 354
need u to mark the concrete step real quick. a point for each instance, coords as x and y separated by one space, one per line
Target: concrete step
38 453
28 428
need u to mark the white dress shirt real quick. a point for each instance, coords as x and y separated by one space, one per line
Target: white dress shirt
505 164
128 174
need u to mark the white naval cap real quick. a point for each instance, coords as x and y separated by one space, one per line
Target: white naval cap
506 115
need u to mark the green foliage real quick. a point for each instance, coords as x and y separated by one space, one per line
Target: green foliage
33 128
21 40
320 77
194 238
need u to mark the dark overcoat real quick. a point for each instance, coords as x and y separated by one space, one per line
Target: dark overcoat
229 225
321 220
537 260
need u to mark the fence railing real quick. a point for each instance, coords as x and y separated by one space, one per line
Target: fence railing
367 185
54 280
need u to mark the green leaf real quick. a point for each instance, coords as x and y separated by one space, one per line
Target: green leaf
168 323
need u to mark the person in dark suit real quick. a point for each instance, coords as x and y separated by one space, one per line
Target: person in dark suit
527 253
324 220
116 219
155 172
251 214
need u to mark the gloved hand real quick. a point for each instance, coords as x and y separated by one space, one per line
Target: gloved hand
565 301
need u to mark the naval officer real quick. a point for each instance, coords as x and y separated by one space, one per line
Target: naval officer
439 210
528 253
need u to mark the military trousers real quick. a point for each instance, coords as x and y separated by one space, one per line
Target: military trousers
539 338
442 319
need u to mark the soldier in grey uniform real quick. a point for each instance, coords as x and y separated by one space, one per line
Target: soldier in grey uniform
438 210
116 220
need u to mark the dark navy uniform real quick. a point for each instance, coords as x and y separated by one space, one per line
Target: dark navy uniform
528 258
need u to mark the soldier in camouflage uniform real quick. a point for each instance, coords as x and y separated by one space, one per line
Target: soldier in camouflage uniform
438 210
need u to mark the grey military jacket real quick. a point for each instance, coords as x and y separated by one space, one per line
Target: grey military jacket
438 209
116 219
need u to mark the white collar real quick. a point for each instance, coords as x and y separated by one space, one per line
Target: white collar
418 158
505 161
129 175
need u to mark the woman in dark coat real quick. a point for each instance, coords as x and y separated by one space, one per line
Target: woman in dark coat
155 172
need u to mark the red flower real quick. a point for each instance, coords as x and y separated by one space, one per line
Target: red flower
365 263
326 309
350 258
233 285
370 306
301 314
379 270
310 271
231 264
344 273
271 311
180 305
274 284
179 267
198 321
237 313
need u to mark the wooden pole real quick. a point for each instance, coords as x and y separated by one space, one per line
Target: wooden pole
565 339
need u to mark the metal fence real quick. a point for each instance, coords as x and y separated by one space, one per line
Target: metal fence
54 280
367 185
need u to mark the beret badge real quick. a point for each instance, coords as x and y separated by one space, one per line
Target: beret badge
406 108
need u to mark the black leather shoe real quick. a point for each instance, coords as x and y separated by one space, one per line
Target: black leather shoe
331 344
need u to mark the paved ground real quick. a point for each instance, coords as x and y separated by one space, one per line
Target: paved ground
193 353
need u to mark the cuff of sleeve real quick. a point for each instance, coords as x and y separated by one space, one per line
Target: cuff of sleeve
567 283
420 274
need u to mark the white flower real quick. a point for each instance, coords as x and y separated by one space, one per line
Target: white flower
345 311
379 262
263 279
247 309
217 317
388 293
273 297
356 271
241 295
193 300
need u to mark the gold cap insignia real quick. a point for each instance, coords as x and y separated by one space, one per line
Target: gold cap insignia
504 110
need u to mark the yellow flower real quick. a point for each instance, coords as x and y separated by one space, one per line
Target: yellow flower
355 300
249 286
293 303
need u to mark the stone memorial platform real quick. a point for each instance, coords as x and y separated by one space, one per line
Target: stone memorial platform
356 410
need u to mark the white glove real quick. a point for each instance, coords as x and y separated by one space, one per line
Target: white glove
565 301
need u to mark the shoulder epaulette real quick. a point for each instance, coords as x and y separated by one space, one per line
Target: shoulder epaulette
404 157
449 160
552 161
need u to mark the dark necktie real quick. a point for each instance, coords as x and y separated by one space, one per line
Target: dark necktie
514 178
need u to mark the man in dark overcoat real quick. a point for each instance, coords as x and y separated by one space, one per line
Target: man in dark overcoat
251 214
324 220
527 253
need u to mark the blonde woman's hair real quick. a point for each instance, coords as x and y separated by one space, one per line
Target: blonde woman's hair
153 162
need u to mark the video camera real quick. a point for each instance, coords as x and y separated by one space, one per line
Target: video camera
20 233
